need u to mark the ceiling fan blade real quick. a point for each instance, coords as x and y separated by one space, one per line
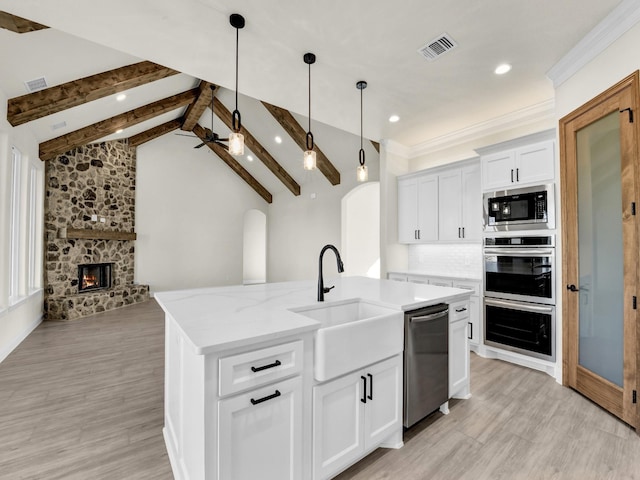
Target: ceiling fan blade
222 145
185 135
199 146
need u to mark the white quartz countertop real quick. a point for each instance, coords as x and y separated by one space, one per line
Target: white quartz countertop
220 318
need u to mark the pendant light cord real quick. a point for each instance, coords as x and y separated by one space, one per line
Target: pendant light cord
236 120
309 134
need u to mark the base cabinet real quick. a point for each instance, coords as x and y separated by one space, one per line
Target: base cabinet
459 365
260 433
353 414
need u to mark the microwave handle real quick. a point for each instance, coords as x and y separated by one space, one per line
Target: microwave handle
508 251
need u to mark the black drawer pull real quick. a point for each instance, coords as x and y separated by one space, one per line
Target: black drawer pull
264 367
264 399
470 337
370 396
364 390
463 309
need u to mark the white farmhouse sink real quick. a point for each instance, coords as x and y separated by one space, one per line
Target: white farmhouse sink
354 333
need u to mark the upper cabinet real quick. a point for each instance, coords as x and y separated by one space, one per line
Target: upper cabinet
418 209
441 204
521 162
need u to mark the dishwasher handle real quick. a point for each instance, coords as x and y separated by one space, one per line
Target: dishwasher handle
427 318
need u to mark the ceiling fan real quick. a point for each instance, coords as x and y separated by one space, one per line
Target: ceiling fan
210 135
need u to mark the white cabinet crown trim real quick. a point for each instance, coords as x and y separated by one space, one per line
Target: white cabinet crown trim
518 142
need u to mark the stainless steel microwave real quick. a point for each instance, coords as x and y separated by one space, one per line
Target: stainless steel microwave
529 208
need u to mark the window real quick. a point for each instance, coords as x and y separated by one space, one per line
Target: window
35 232
14 226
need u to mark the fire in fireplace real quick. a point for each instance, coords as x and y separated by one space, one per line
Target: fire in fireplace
94 276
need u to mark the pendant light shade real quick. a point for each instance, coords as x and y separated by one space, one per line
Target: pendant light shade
309 157
236 139
362 173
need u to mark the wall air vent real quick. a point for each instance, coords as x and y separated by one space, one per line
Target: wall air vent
59 125
437 47
36 84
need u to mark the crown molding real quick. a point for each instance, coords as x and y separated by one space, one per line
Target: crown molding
612 27
525 116
396 148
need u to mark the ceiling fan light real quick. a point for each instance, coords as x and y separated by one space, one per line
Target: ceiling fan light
309 160
236 144
362 173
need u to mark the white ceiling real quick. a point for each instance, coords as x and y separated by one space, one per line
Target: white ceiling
374 40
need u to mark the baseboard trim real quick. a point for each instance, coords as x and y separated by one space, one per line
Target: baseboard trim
5 352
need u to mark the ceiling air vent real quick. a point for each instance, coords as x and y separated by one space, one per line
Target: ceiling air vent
437 47
36 84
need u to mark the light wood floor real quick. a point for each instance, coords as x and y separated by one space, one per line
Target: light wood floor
83 400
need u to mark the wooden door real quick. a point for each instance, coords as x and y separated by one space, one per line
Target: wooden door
599 174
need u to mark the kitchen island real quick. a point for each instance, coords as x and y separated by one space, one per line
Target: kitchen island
244 394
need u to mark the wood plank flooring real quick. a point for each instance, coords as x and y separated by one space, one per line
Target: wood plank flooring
84 399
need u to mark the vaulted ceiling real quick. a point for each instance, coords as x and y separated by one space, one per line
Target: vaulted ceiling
175 45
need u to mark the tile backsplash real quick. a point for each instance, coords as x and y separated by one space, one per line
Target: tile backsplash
448 260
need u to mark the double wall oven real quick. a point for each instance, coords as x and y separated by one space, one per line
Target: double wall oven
519 276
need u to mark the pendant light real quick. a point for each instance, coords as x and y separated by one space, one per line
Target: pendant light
361 172
309 157
236 139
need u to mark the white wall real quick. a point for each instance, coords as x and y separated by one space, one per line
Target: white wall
19 319
361 230
300 226
190 210
254 264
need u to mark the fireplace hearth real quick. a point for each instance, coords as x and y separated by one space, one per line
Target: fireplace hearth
94 276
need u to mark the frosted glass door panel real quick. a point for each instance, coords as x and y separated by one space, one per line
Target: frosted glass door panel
601 249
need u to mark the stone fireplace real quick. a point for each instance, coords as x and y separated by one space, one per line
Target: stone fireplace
90 236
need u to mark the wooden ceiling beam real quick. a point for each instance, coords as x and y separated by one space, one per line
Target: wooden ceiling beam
32 106
83 136
155 132
376 145
297 133
265 157
18 24
197 108
233 164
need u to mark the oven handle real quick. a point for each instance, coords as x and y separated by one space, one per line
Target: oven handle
511 252
518 306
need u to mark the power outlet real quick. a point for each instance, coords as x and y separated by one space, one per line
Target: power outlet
94 218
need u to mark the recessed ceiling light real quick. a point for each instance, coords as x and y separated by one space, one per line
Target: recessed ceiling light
120 130
250 158
502 69
278 139
121 97
394 118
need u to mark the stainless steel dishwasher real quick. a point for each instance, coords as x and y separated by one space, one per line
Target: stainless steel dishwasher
426 361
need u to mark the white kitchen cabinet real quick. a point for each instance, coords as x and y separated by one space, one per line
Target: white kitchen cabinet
353 414
520 162
459 362
260 433
475 314
418 209
459 201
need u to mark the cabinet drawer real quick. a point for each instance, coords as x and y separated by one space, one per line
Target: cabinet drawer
259 367
468 285
458 311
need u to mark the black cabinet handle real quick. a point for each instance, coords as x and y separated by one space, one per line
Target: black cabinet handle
370 396
470 336
463 309
462 232
517 174
418 234
264 367
264 399
364 389
572 288
512 175
459 232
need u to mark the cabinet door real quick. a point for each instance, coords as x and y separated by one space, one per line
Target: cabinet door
428 208
383 410
474 321
263 438
535 163
458 356
408 211
450 205
498 170
471 204
337 424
